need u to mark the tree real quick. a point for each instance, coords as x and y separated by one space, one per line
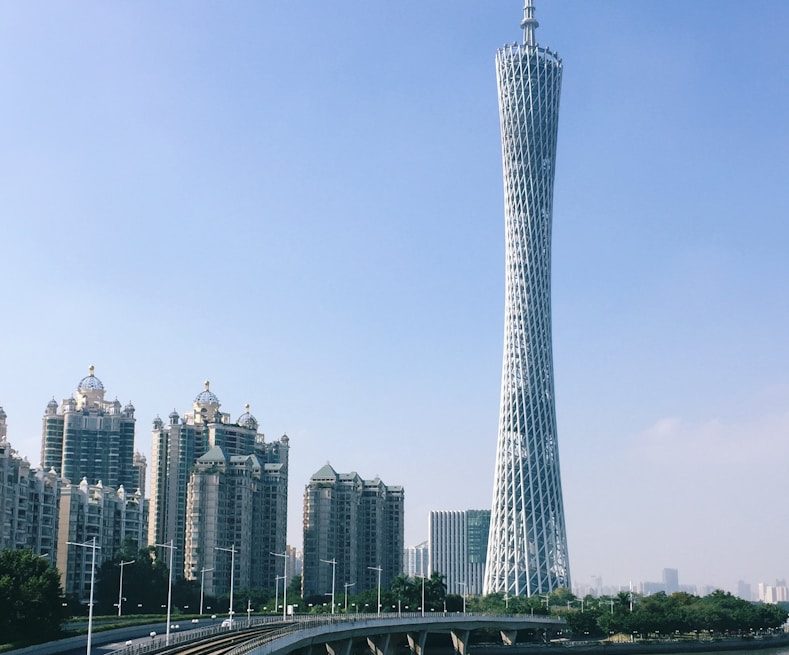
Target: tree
144 584
31 598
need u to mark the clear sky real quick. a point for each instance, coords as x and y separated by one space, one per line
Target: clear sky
302 202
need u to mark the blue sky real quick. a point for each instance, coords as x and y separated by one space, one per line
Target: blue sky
302 202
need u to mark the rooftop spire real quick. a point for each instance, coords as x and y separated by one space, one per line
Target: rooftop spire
529 23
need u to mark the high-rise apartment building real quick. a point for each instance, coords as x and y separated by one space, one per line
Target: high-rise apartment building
114 517
176 449
237 502
356 523
28 502
88 437
527 548
140 466
416 560
458 542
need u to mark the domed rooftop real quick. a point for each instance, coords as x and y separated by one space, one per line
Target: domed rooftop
2 412
90 383
246 420
52 404
206 396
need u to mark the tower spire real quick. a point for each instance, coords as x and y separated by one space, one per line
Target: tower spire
529 23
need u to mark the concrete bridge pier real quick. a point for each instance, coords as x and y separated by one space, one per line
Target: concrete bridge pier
380 645
341 647
460 641
509 637
416 642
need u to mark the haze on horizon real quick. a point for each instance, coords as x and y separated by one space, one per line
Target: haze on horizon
302 202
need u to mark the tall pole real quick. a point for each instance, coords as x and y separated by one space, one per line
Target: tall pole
232 551
276 592
423 594
171 547
379 569
465 591
333 563
347 584
202 583
120 585
92 545
284 585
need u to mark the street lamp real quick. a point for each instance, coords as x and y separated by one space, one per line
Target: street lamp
465 591
120 584
92 545
347 584
423 593
333 563
379 569
171 547
284 584
249 612
232 551
203 571
276 592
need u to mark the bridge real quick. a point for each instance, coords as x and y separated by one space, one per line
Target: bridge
378 635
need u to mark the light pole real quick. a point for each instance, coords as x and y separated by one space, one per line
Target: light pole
284 585
465 591
333 563
347 584
379 569
249 612
276 592
203 571
169 589
120 584
92 545
232 551
423 593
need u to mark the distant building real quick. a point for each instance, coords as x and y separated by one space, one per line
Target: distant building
777 593
744 590
140 466
458 543
176 448
357 523
671 581
416 560
28 502
295 561
114 517
88 437
236 502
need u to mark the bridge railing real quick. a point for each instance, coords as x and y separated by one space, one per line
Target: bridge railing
298 622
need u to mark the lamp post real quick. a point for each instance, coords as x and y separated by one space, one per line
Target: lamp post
232 551
379 569
284 585
92 545
423 593
171 547
333 563
120 584
203 571
249 612
465 591
276 592
347 584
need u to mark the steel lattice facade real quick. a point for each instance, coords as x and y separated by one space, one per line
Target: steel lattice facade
527 547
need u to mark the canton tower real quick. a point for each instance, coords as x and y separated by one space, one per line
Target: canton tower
527 546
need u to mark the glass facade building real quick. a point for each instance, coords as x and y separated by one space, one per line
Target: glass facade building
527 546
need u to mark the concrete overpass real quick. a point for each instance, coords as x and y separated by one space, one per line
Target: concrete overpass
378 635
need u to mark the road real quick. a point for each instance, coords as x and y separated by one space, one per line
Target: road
104 642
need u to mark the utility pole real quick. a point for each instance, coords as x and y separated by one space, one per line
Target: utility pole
347 584
171 547
202 581
284 584
232 551
120 584
92 545
379 569
333 563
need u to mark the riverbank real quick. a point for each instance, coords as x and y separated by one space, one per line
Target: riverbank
637 648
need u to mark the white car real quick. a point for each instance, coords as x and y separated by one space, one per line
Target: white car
227 623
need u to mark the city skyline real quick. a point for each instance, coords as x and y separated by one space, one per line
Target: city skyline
179 209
